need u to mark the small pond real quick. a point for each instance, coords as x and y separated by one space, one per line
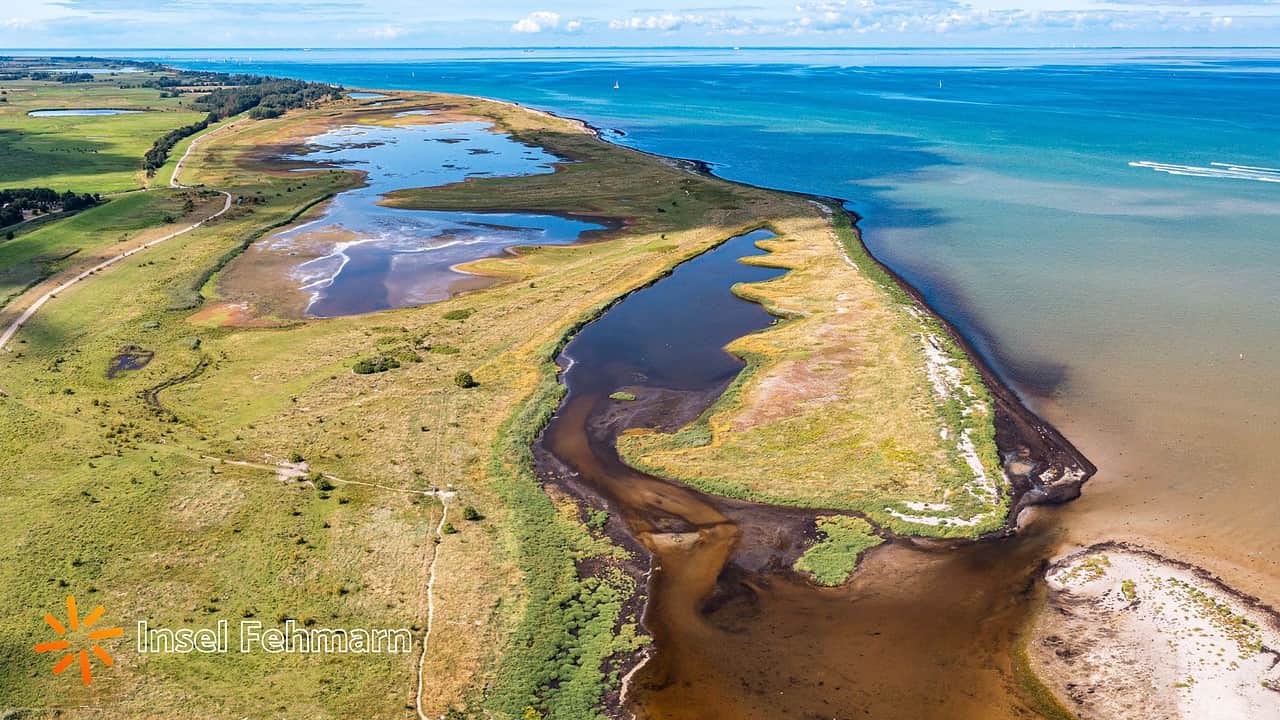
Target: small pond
75 112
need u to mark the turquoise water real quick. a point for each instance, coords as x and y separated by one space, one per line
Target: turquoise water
1104 226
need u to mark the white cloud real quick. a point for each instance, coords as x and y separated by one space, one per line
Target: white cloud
536 22
674 21
387 32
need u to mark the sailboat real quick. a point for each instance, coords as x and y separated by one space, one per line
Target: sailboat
615 85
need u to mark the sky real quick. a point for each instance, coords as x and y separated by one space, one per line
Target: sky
519 23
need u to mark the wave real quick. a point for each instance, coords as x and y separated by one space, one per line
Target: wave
1214 170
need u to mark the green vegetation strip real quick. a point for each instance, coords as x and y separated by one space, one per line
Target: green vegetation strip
835 556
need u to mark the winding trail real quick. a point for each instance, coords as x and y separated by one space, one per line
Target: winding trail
286 470
31 310
431 605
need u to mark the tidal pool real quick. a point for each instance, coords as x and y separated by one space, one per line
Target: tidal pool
360 257
76 112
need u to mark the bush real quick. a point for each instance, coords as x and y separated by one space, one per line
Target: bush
449 529
470 513
295 457
375 365
462 314
464 380
597 519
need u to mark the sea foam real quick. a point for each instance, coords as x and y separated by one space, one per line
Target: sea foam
1215 170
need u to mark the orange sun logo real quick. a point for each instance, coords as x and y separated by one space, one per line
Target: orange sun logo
74 623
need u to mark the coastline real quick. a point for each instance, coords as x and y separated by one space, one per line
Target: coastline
1054 474
550 585
1059 469
1051 469
1110 603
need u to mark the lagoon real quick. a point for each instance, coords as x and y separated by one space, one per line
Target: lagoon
359 256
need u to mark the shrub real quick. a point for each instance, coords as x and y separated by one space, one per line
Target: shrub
295 457
464 380
623 396
597 519
470 513
376 365
449 529
462 314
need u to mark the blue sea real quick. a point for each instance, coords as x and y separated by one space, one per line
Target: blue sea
1103 225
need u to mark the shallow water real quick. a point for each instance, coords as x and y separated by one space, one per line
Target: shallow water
737 635
1135 309
363 257
79 112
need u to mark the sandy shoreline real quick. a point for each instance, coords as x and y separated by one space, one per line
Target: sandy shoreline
1130 633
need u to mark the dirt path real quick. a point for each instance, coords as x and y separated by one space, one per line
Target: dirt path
431 605
298 470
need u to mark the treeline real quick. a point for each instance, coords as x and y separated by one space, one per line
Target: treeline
15 203
262 97
159 151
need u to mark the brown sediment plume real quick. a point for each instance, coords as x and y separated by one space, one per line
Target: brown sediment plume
924 624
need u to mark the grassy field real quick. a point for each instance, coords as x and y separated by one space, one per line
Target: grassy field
154 492
96 154
83 238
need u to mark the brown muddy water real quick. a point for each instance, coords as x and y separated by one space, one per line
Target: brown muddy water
922 631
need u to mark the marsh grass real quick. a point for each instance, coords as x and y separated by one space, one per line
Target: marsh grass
832 559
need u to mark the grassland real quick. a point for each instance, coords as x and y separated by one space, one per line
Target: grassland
133 507
842 405
83 238
97 154
147 492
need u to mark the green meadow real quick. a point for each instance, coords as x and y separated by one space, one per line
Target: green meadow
33 255
99 154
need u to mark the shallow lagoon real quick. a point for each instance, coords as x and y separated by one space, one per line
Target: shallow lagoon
359 256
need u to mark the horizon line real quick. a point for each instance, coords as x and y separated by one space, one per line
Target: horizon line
659 47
